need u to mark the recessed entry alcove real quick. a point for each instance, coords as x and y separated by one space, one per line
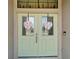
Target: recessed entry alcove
38 24
37 29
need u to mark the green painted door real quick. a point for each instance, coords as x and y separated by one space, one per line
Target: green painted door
37 35
47 39
27 38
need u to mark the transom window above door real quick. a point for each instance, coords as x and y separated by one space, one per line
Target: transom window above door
37 3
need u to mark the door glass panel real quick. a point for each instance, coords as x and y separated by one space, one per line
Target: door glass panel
52 1
33 1
43 1
27 25
47 25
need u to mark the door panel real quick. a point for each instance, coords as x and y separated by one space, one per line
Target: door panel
26 39
48 41
47 47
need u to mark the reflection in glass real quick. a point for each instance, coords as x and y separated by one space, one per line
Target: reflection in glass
37 3
27 25
47 25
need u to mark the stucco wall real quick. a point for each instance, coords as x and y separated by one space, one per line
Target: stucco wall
66 27
10 29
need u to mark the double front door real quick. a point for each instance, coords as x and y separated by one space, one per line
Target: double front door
37 35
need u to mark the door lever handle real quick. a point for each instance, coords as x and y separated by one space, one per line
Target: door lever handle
36 38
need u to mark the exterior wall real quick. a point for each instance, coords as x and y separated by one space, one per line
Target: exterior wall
66 27
10 29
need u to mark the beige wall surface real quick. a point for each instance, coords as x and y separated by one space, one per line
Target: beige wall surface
10 29
66 27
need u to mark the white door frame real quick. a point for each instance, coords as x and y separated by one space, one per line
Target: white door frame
54 11
59 40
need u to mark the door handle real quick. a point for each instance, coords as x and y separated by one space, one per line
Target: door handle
36 38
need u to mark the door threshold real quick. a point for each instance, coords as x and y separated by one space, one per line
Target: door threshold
36 56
